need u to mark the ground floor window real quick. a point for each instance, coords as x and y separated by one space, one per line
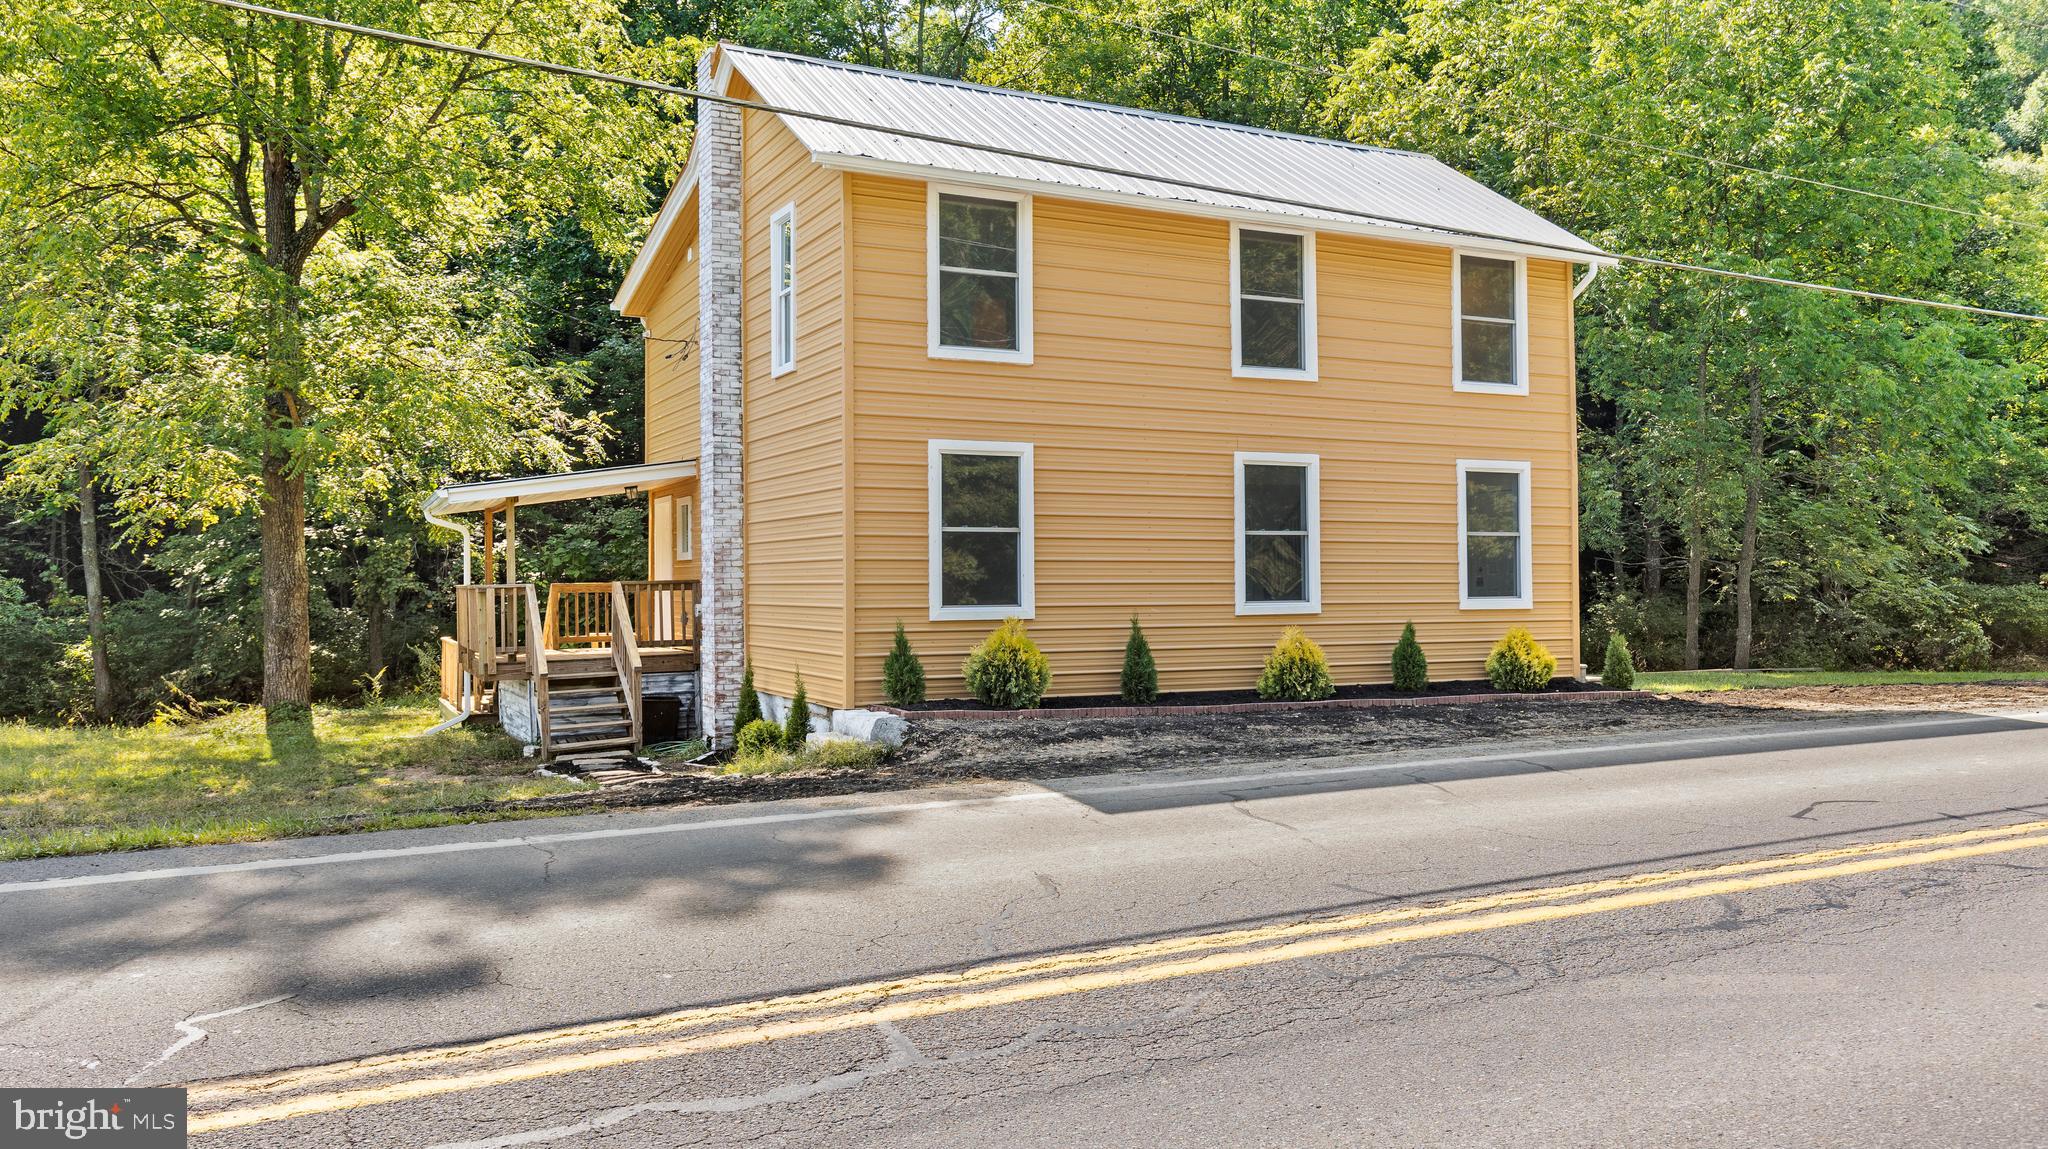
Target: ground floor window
981 532
1493 531
1277 529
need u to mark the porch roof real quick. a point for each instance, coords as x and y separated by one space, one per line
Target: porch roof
462 498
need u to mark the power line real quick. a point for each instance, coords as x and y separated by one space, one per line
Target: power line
1559 125
1572 254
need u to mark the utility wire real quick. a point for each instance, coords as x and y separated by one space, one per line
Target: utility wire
1573 254
1559 125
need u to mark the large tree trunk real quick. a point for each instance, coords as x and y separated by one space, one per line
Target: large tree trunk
1695 574
287 628
1696 524
374 640
1745 565
95 597
1653 554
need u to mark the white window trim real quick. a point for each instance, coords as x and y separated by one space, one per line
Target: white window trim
777 365
1521 353
1525 552
1307 371
1022 353
686 540
935 515
1312 556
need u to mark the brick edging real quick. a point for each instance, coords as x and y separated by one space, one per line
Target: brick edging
1258 707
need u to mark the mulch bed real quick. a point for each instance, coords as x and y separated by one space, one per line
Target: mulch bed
1248 702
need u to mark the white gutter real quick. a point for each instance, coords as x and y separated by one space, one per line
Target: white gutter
1579 288
458 528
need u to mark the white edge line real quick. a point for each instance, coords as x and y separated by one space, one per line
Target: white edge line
1311 772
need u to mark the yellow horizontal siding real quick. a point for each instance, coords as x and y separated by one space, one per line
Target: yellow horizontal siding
795 427
1135 418
671 372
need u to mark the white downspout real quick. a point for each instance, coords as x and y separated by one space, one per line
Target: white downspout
468 707
1579 288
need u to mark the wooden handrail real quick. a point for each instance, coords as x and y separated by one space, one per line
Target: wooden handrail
579 614
537 663
626 657
664 611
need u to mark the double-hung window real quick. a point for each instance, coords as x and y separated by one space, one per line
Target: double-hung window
1491 351
981 532
979 270
1493 534
782 290
1277 529
1273 303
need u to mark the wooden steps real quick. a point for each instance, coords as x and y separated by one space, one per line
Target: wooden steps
585 709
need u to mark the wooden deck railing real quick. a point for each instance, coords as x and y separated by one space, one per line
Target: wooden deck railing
664 611
492 623
579 614
626 658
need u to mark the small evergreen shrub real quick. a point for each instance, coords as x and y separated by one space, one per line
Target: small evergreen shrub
1008 669
796 725
902 673
1619 671
1141 675
1297 670
1411 669
1519 662
750 703
757 738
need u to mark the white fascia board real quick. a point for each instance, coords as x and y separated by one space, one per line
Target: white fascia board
868 165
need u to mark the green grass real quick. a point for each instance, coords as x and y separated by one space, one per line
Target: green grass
829 756
231 779
1674 682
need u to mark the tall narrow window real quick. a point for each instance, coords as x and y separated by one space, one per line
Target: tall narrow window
981 535
980 271
1493 525
1489 334
686 529
1277 534
1273 321
782 283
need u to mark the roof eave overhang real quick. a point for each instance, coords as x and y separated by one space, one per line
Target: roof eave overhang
467 498
671 209
871 166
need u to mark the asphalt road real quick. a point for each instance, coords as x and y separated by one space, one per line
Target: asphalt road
1821 934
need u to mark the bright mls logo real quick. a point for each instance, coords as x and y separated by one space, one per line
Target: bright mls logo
110 1118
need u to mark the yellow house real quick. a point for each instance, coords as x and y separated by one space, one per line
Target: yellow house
1074 363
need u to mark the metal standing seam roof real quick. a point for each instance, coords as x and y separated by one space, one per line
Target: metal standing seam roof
1378 181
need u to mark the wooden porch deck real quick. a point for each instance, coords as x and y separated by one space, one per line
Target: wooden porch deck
593 645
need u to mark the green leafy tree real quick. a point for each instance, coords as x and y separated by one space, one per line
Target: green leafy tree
311 181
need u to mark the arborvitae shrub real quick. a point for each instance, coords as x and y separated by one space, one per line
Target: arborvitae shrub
902 673
750 702
1519 662
1007 669
1297 670
1141 675
796 725
1411 669
1619 671
758 737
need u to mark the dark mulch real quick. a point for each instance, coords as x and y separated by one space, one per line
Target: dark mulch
1235 697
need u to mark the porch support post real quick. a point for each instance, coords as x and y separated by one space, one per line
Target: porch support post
720 500
490 545
511 545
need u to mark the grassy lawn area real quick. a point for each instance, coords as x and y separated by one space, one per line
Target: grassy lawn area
228 779
1677 682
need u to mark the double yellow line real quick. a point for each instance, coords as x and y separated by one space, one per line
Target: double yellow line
424 1073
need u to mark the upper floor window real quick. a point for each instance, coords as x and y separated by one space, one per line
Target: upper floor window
1491 351
1277 529
1273 303
979 264
782 294
981 533
1493 534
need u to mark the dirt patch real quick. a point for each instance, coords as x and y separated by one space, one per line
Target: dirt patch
965 750
1934 696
